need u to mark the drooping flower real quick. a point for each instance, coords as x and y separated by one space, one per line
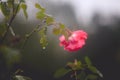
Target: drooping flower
74 42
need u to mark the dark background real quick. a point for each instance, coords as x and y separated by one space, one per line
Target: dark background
102 46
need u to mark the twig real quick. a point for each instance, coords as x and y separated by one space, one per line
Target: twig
37 28
11 20
75 73
12 31
27 36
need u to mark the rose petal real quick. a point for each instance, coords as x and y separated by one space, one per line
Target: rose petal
75 42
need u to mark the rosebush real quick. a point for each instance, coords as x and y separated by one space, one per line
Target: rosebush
70 40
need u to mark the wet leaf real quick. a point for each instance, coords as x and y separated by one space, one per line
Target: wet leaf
43 42
15 7
38 6
60 30
40 15
93 69
61 72
49 20
43 37
10 3
62 26
88 61
24 8
79 65
56 31
5 9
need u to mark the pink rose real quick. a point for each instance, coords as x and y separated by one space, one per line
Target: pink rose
75 41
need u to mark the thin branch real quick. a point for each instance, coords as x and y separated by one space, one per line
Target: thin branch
37 28
75 73
11 20
12 31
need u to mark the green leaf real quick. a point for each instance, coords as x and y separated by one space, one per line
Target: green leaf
11 55
49 20
91 77
62 26
5 9
43 31
56 31
79 65
88 61
99 73
43 42
75 66
19 77
59 30
43 37
61 72
38 6
93 69
10 3
40 15
24 8
81 76
15 7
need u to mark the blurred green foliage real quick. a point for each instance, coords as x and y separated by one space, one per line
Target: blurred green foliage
5 9
2 29
10 55
79 70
